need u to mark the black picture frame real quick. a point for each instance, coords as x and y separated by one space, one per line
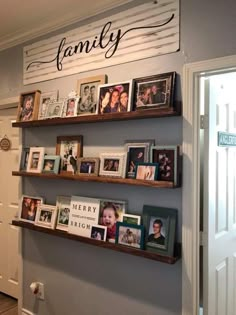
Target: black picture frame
154 92
164 219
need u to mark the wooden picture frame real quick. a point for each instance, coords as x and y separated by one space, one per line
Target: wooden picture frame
131 218
51 164
88 166
28 106
147 171
87 89
160 225
115 97
63 212
45 99
70 148
112 164
155 91
99 232
46 216
28 209
131 235
35 161
24 159
167 157
138 151
54 109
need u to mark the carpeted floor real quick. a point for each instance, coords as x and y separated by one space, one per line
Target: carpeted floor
8 305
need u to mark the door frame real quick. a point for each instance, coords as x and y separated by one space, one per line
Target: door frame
191 175
6 103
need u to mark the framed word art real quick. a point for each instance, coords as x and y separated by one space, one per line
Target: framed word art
152 30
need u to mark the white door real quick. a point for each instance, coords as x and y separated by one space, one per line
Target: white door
9 196
219 203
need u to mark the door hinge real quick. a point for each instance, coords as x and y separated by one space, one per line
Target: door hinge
203 238
203 122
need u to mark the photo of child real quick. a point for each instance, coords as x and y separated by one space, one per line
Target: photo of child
129 236
110 213
27 108
48 165
98 233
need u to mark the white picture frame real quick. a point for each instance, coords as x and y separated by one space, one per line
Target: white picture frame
46 216
70 107
55 109
99 232
45 98
113 164
36 158
63 212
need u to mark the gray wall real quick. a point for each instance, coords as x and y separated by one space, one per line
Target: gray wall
82 279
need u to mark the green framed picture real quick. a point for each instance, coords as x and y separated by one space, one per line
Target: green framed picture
160 226
51 164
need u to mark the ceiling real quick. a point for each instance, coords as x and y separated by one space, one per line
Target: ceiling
23 20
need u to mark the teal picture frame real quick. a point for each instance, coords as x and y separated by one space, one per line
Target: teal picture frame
147 171
166 220
131 235
51 164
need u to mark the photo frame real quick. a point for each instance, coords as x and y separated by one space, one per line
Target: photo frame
29 207
87 89
35 161
138 151
51 164
155 91
168 159
24 159
147 171
131 218
71 106
46 216
99 232
88 166
69 148
112 164
28 106
115 97
131 235
160 225
45 99
63 212
54 109
110 212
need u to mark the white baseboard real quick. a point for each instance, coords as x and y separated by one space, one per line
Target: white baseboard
26 312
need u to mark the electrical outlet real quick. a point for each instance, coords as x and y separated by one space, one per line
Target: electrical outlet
40 294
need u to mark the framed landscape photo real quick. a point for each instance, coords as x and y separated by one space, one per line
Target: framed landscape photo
130 235
138 151
87 89
155 91
46 216
24 159
147 171
168 159
115 98
160 225
70 107
69 148
54 109
45 99
51 164
35 161
131 218
99 232
28 106
63 212
88 166
112 164
28 208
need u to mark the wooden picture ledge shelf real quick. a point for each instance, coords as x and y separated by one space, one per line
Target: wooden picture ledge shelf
140 114
115 247
99 179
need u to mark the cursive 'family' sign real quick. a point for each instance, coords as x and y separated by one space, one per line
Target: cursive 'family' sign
144 31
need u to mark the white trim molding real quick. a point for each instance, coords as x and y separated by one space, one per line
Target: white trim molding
26 312
9 102
191 176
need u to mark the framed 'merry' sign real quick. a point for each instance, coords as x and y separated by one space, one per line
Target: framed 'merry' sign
144 31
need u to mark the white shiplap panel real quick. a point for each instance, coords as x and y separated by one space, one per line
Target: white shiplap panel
142 40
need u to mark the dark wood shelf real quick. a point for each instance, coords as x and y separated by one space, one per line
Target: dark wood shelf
139 114
115 247
99 179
